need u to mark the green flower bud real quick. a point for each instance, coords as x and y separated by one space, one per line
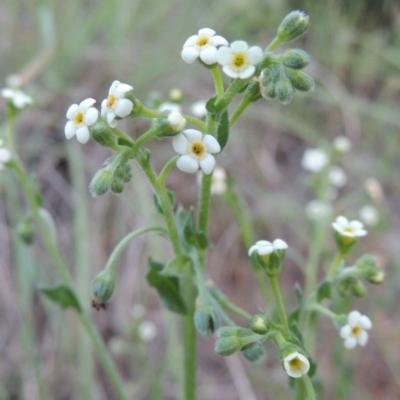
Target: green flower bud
260 324
170 123
103 286
359 289
175 94
25 230
344 243
300 80
375 276
295 58
345 286
293 26
137 105
117 186
226 346
102 133
284 90
256 354
101 182
204 320
227 331
123 171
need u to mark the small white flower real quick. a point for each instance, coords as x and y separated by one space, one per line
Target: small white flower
263 247
342 144
296 365
5 155
147 331
80 118
19 99
349 228
337 177
198 109
314 160
176 121
196 151
355 331
170 107
239 60
218 181
374 189
175 94
317 209
116 105
203 45
369 215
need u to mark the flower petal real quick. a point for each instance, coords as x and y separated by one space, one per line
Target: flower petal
191 41
113 87
187 164
280 244
365 322
121 89
362 338
72 110
180 144
206 32
255 54
70 130
5 155
193 135
219 41
207 164
345 331
265 250
224 55
124 108
253 249
209 55
342 221
110 118
189 54
91 116
350 342
354 318
247 72
86 104
83 134
212 144
239 46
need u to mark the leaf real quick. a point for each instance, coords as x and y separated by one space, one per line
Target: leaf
299 294
176 266
168 288
157 203
210 107
223 129
63 295
296 335
324 291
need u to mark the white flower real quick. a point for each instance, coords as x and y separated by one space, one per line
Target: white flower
263 247
170 107
317 209
369 215
198 109
115 105
80 118
239 60
296 364
5 155
176 121
203 45
17 97
314 160
147 331
349 228
374 190
342 144
218 181
355 331
337 177
196 151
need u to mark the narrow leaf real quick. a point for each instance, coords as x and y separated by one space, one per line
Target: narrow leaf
63 295
223 129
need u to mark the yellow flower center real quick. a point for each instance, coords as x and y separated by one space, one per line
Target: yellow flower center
79 118
197 150
239 61
203 41
356 331
111 101
349 229
295 363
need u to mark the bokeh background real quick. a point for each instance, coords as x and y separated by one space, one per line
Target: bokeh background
66 51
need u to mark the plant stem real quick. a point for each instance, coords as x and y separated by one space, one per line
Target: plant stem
233 89
322 310
151 133
225 303
335 266
189 342
149 113
274 44
239 110
166 169
279 302
204 206
219 86
309 387
196 122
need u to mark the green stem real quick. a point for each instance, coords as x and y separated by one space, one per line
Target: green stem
239 110
10 128
322 310
151 133
279 302
274 44
234 88
309 387
219 86
149 113
167 168
123 244
189 342
204 206
124 136
335 266
196 122
225 303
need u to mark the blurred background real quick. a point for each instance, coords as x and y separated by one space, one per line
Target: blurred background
66 51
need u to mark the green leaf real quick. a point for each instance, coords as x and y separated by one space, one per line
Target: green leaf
299 294
210 107
168 288
296 336
324 291
157 203
63 295
176 267
223 129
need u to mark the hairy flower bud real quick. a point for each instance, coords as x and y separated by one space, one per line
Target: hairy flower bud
300 80
170 123
204 320
260 324
256 354
295 58
226 346
293 26
101 182
103 286
284 90
102 133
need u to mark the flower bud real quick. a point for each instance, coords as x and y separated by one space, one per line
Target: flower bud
359 289
284 90
226 346
175 94
375 277
204 320
255 355
345 286
25 230
260 324
169 123
300 80
101 182
103 286
137 105
123 172
102 133
293 26
295 58
117 186
370 270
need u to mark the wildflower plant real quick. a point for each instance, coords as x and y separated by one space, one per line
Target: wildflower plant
181 281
